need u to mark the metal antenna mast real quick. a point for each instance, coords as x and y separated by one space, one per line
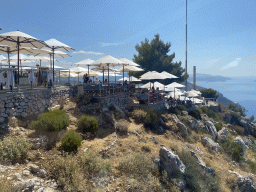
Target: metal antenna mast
186 62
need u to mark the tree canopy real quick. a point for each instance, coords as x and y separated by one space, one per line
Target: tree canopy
209 93
153 56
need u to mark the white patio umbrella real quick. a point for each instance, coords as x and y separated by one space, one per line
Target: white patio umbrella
19 39
152 75
191 94
172 86
110 61
56 45
156 84
87 62
78 70
132 79
103 68
169 75
131 63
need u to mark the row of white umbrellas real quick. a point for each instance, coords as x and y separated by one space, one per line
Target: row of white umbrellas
19 42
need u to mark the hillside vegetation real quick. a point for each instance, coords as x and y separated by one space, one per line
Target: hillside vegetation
209 149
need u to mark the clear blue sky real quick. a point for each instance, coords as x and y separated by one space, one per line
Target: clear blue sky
221 33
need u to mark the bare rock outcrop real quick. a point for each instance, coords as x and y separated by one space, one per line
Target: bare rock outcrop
210 144
170 162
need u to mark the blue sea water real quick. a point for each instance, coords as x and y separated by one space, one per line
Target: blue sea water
238 89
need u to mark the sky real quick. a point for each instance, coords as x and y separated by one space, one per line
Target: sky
221 34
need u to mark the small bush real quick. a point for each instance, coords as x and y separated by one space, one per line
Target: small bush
231 181
252 165
139 115
218 126
233 149
76 171
138 165
239 129
14 149
152 119
181 107
118 115
71 141
145 148
195 177
173 110
210 113
195 114
88 124
55 120
122 125
112 108
235 118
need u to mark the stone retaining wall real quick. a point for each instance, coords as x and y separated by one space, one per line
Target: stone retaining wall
30 102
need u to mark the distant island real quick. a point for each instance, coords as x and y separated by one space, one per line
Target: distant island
207 77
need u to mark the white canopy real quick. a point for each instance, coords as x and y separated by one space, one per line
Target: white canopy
109 61
169 75
78 69
156 84
131 63
85 62
25 40
174 84
127 79
129 68
23 58
150 75
191 94
57 45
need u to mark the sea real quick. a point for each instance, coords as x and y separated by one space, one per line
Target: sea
237 89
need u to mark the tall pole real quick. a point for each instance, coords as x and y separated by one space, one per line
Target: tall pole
186 62
18 44
53 65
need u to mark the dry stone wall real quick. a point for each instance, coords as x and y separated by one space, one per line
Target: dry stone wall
31 102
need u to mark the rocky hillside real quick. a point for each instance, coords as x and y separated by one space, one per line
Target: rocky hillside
139 150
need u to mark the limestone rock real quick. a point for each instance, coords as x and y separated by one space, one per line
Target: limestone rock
210 144
33 168
199 160
170 162
183 129
194 124
211 129
175 119
184 113
223 134
240 141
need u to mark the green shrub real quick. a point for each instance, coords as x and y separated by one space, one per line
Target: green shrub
152 119
55 120
14 149
218 126
210 113
145 148
252 165
209 93
71 141
88 124
239 109
239 129
112 108
139 115
195 177
235 118
118 115
181 107
233 149
195 114
173 110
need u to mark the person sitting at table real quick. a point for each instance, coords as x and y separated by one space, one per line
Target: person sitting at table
97 81
106 81
86 78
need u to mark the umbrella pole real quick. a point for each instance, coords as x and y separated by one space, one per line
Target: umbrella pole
53 64
108 74
123 75
59 77
8 52
103 76
18 44
88 71
69 77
